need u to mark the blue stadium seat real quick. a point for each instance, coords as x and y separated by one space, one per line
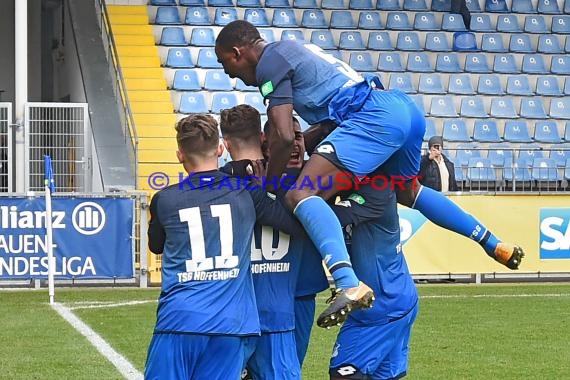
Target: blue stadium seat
503 108
193 102
498 6
447 63
560 24
437 41
452 22
202 37
403 82
179 58
441 5
490 85
249 3
455 130
284 18
342 20
520 172
532 108
192 3
267 34
560 108
549 44
473 6
223 100
419 100
486 131
277 4
520 43
508 23
415 5
256 16
217 80
460 84
431 84
505 64
523 6
430 129
545 170
466 151
314 18
361 61
240 86
566 7
567 45
518 85
172 36
360 4
369 20
162 2
480 170
443 106
324 39
197 16
500 155
220 3
351 41
419 62
308 4
292 35
167 16
535 24
408 41
390 62
560 155
207 59
533 64
255 100
473 106
481 23
379 41
224 16
516 131
548 7
567 132
460 175
567 167
332 4
398 21
464 41
560 64
477 63
388 5
493 42
546 131
548 86
186 80
425 21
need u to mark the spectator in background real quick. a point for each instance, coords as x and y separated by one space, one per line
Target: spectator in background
436 170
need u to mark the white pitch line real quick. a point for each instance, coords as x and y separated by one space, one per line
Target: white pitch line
547 295
100 305
119 361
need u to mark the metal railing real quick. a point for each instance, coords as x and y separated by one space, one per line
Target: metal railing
6 160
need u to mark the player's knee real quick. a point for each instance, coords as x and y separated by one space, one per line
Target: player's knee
407 194
294 196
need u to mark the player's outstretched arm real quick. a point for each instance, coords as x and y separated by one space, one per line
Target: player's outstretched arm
281 140
156 234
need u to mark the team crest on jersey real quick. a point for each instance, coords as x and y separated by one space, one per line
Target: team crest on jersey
266 88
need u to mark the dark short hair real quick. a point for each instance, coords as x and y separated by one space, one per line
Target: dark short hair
197 134
267 127
237 33
241 122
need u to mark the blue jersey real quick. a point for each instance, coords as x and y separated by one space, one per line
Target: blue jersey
312 278
304 75
203 230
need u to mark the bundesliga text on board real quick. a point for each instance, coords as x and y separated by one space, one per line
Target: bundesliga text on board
555 233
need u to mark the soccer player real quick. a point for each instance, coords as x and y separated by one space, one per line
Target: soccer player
203 228
376 128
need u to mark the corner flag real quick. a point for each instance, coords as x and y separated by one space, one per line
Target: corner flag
49 188
48 174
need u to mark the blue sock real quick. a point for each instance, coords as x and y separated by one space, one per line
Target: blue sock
325 231
445 213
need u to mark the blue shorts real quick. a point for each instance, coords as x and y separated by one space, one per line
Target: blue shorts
273 356
194 356
304 319
376 127
373 352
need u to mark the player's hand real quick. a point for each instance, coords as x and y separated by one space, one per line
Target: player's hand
241 168
257 169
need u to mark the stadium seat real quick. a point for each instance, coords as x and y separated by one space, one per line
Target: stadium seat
560 64
493 42
342 20
566 7
186 80
179 58
240 86
267 34
533 64
567 170
379 41
223 100
332 4
567 132
545 172
415 5
389 62
519 173
508 23
172 36
464 41
192 3
500 155
224 16
473 6
505 64
481 23
314 19
419 62
466 151
217 80
532 108
419 100
460 175
255 100
398 21
486 131
547 86
361 61
560 108
437 41
202 37
546 131
193 102
443 106
560 155
477 63
207 59
447 63
162 2
560 24
496 6
455 130
197 16
292 35
503 108
480 170
530 152
460 84
323 39
567 45
548 7
518 85
523 6
520 43
360 4
403 82
408 41
473 106
256 16
441 5
452 22
431 84
430 129
516 131
388 5
535 24
277 4
369 20
425 21
549 44
284 18
351 41
220 3
249 3
308 4
167 16
490 85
